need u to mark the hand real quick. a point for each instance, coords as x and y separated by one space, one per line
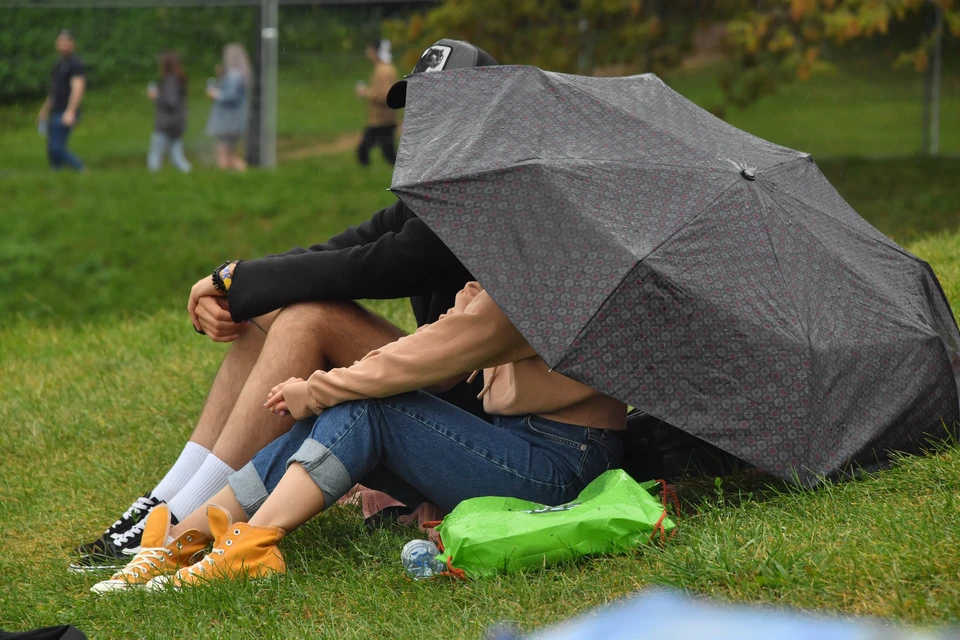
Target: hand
275 400
213 93
216 321
210 312
42 116
69 117
152 93
361 91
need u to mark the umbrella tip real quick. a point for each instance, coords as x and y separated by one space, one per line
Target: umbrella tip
749 173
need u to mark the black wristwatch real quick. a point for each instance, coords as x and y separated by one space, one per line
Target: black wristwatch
223 276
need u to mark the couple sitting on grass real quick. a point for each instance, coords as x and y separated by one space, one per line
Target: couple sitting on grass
407 415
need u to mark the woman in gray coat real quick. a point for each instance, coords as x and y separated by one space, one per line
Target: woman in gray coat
228 116
170 96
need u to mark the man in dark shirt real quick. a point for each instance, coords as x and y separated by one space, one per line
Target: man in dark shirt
289 315
61 109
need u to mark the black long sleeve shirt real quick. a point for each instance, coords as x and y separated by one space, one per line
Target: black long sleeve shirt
392 255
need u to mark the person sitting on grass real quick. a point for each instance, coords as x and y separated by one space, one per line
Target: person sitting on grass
289 315
550 437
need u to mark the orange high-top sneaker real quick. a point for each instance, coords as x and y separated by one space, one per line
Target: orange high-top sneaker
239 551
156 558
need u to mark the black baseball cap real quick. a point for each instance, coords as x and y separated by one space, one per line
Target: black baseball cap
443 55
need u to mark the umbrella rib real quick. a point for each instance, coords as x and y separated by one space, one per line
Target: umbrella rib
694 110
603 100
896 248
541 161
600 306
786 162
688 222
783 280
627 273
853 273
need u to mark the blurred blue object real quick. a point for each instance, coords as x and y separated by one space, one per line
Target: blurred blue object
661 615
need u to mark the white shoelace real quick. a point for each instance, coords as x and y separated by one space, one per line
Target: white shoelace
209 559
120 539
142 504
137 566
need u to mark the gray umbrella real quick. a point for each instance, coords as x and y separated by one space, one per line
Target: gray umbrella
710 278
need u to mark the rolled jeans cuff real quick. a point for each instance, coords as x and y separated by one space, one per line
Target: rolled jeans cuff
248 489
324 468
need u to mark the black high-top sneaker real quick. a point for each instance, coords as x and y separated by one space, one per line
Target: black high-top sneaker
113 549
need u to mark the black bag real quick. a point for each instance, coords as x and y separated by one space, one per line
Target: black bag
65 632
653 449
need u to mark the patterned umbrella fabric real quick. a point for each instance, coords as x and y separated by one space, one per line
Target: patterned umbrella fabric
706 276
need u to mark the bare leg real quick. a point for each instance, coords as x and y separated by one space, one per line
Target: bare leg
223 155
234 425
238 163
304 338
296 499
233 373
198 519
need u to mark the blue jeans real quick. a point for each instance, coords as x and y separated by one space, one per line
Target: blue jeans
57 151
161 144
440 450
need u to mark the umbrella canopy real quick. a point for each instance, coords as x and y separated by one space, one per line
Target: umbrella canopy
710 278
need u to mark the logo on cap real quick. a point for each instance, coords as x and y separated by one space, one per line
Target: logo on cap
433 59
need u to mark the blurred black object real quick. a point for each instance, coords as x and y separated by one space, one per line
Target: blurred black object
65 632
654 449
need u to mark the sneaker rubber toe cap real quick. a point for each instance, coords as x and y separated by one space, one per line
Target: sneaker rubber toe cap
107 586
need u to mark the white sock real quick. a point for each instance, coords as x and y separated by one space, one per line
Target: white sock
191 458
205 483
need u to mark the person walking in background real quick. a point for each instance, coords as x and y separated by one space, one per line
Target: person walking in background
381 119
170 97
61 110
228 116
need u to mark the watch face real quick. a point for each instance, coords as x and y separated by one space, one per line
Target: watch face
433 59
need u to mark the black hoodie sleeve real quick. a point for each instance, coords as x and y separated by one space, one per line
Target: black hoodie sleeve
392 255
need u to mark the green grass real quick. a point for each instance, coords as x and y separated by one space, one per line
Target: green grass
77 246
101 380
866 108
91 415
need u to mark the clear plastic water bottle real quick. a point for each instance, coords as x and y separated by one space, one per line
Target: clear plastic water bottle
419 558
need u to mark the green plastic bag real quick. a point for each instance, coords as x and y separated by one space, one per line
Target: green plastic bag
614 513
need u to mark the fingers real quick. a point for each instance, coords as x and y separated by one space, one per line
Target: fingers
192 310
276 403
275 394
275 400
216 321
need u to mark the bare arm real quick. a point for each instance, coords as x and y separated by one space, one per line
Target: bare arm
78 85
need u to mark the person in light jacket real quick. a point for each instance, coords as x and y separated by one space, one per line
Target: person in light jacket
381 129
550 437
170 97
228 116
